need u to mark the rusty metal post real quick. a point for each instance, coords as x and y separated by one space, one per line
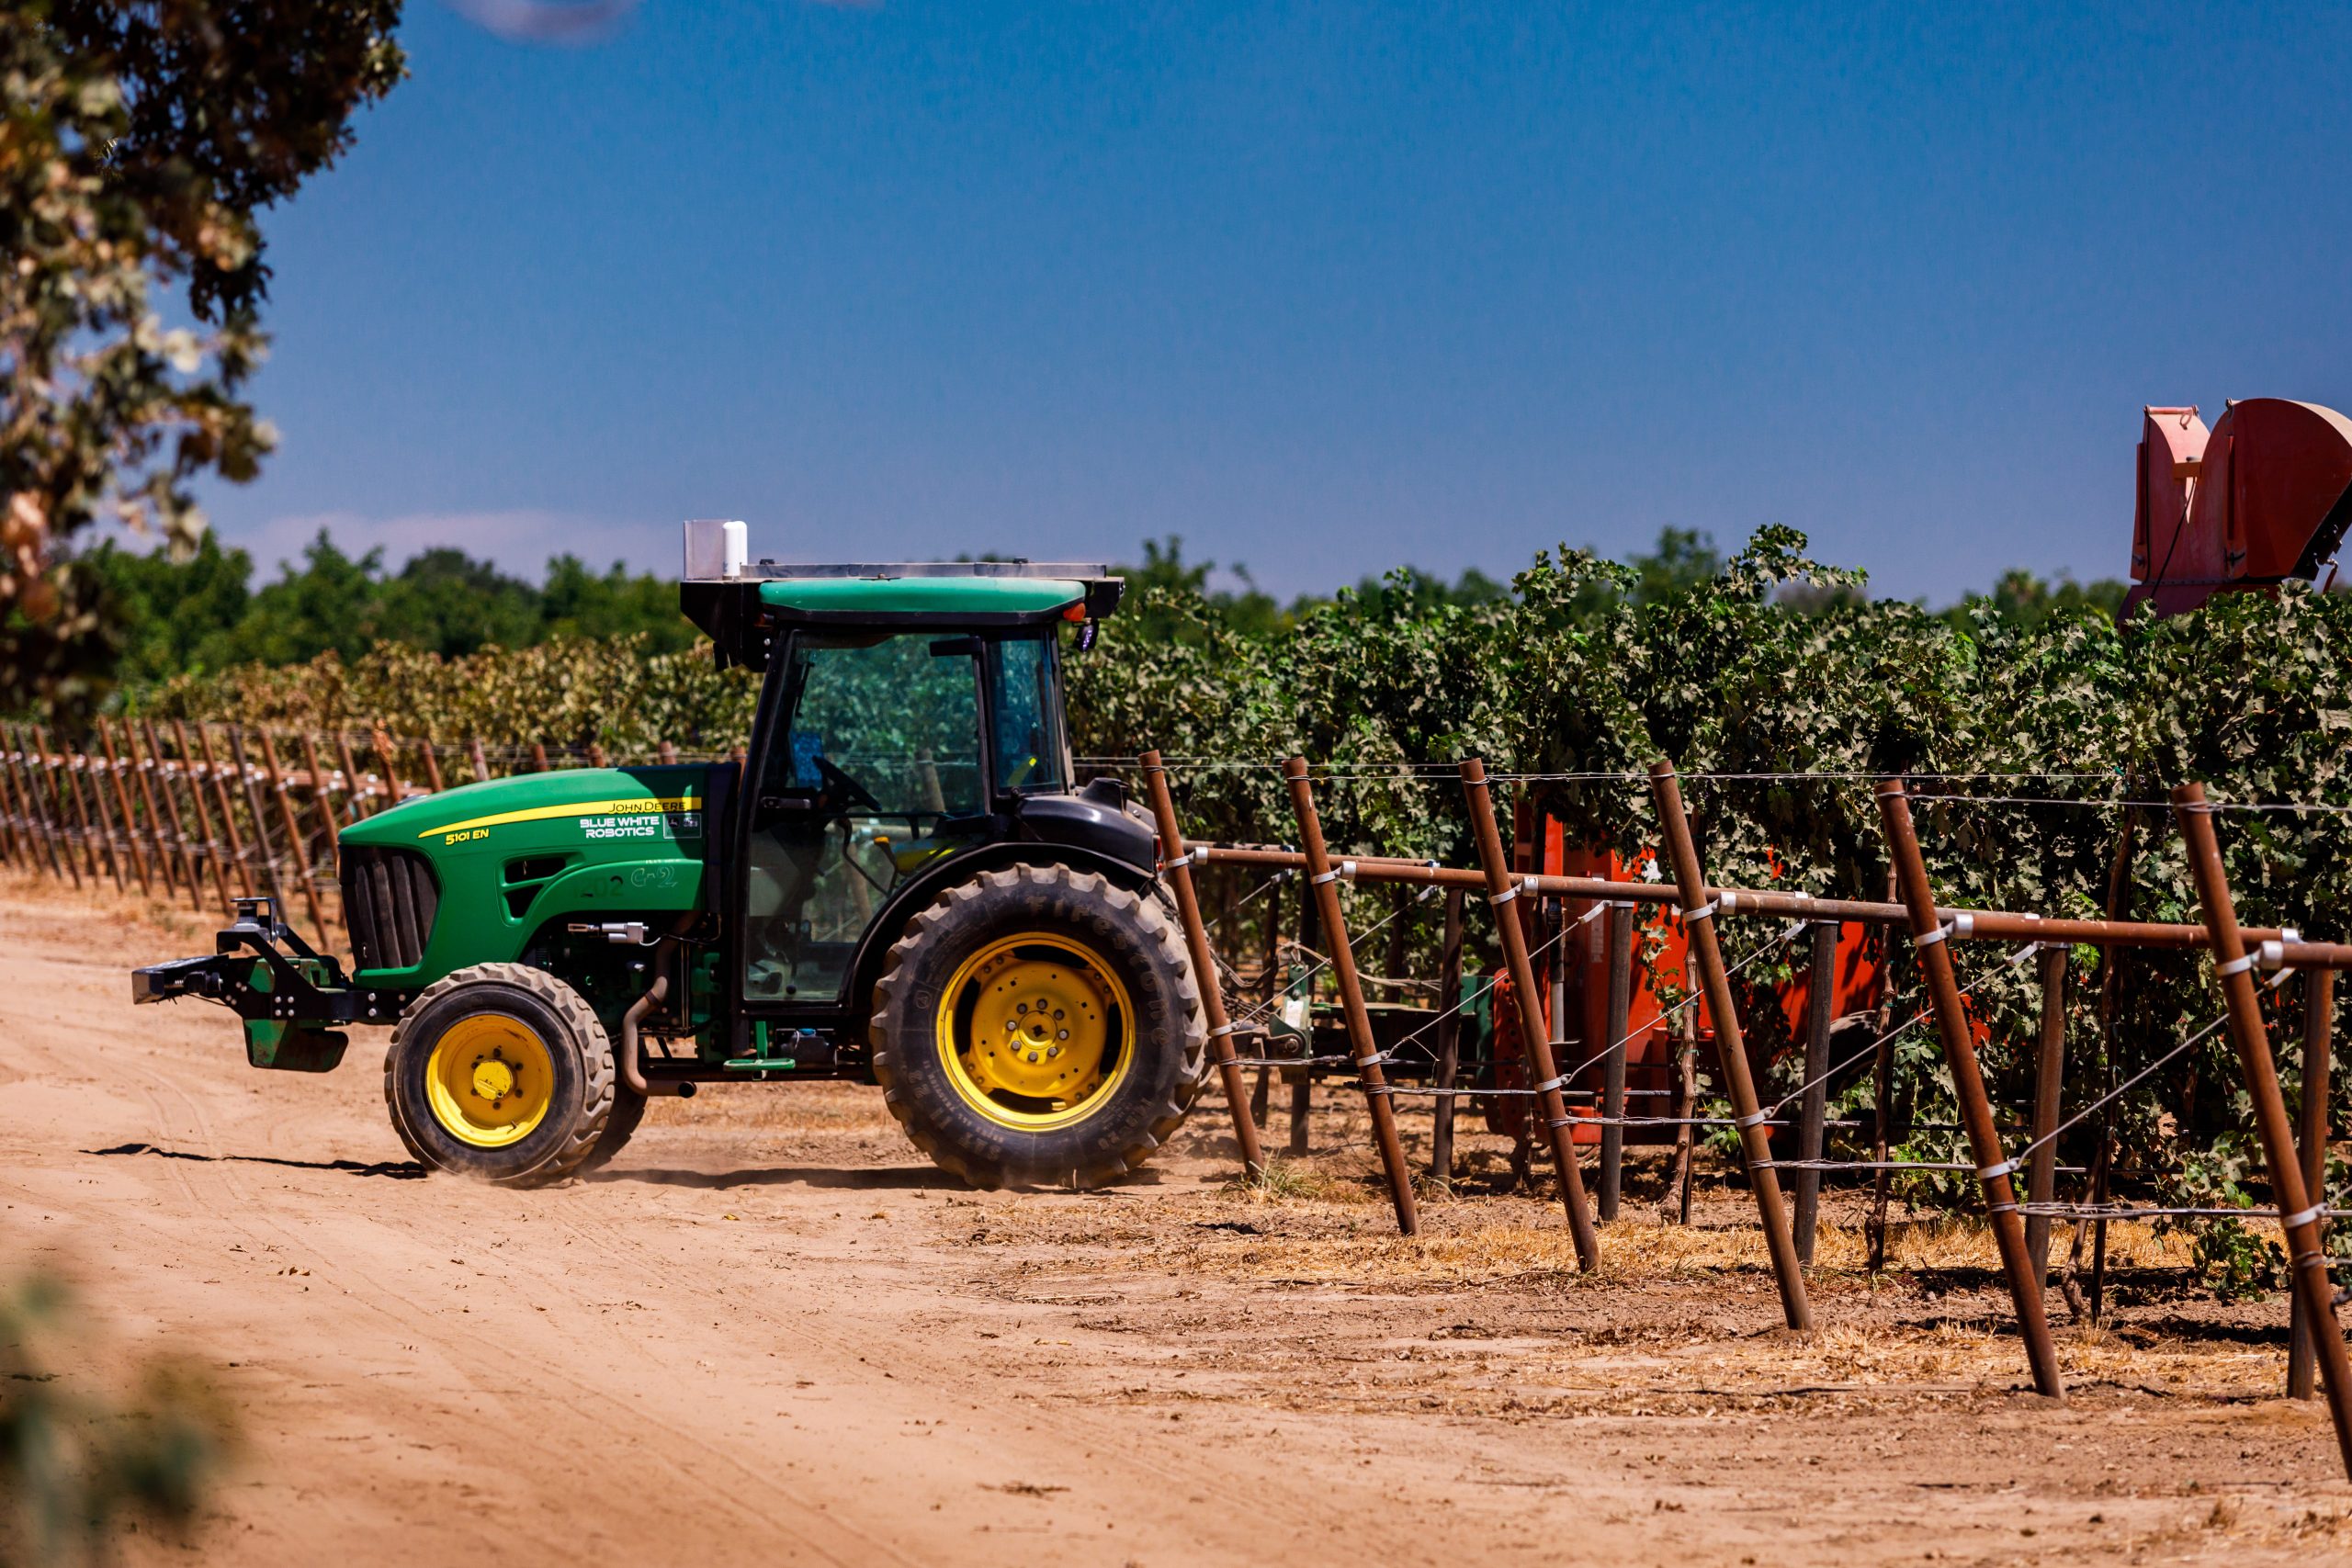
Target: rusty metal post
18 836
86 768
249 788
91 814
122 807
139 769
1449 1039
181 847
432 766
356 788
1559 1126
395 792
34 824
323 802
96 833
1176 865
1993 1167
36 814
70 782
1619 962
2299 1215
482 762
1813 1116
539 757
58 816
213 844
2319 1048
203 814
1323 879
2048 1085
1697 911
228 811
296 846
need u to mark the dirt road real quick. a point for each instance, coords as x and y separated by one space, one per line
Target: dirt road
771 1334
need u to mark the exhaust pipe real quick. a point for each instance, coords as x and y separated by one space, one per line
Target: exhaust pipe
629 1056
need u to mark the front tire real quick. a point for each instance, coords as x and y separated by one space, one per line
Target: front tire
499 1072
1039 1024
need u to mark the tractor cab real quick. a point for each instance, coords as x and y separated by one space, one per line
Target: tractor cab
909 729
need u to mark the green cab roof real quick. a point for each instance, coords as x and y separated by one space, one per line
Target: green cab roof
923 596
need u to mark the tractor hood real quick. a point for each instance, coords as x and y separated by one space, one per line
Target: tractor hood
585 805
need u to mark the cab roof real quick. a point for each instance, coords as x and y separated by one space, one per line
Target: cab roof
743 613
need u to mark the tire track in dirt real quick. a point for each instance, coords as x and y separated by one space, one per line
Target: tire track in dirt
591 1406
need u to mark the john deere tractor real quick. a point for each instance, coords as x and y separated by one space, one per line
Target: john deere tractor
899 884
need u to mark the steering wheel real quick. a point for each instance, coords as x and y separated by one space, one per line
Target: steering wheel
841 785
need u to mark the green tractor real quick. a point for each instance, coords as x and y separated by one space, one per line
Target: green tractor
900 885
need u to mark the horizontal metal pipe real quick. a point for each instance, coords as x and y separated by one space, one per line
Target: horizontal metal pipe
1982 925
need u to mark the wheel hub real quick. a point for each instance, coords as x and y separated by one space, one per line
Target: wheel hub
490 1080
1039 1029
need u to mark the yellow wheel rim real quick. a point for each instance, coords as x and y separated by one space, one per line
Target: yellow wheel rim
1036 1031
490 1080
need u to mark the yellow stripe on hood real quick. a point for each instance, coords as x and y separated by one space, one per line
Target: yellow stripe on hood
630 806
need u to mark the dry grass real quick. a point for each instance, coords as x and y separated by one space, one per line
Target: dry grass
1632 1251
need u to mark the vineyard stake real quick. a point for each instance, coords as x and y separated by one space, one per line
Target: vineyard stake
250 789
356 791
1558 1126
1697 911
323 802
1993 1167
141 768
213 845
2319 1046
9 805
298 848
1612 1067
36 816
183 850
228 811
1449 1041
21 799
394 790
19 839
2297 1215
482 762
1323 881
122 805
1176 865
1820 1005
71 776
432 767
118 856
2049 1088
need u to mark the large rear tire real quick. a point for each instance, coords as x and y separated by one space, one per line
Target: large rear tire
1039 1024
499 1072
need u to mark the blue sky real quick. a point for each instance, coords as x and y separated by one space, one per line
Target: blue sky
1323 288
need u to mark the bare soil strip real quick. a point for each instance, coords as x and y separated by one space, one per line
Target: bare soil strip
770 1332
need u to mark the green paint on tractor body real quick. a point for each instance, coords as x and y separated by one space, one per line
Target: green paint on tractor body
510 856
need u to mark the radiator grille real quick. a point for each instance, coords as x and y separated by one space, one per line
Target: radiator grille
389 900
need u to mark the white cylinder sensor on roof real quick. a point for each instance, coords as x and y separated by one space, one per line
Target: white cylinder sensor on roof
715 549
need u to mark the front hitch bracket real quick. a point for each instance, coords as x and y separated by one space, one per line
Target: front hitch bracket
287 993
